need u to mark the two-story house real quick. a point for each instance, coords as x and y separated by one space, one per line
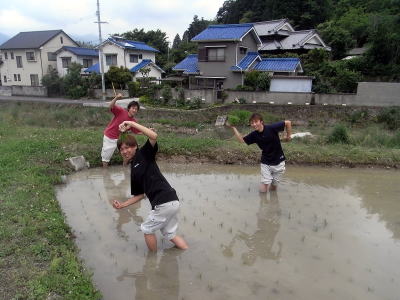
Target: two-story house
28 55
227 52
132 55
219 48
84 56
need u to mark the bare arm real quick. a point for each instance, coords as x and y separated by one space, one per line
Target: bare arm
128 202
113 101
236 132
152 135
288 129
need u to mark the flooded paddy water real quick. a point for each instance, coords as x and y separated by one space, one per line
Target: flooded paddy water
326 234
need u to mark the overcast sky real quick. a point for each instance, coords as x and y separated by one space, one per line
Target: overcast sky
76 17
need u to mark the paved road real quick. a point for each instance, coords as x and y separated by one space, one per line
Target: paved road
86 102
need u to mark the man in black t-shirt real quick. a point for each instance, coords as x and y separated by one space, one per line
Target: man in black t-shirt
267 139
146 179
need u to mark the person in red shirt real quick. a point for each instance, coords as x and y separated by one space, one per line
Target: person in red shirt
111 133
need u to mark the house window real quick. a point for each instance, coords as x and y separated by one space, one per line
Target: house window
19 77
61 40
87 62
34 79
215 54
66 62
19 61
30 56
12 55
111 60
51 56
5 55
5 78
134 58
15 77
243 50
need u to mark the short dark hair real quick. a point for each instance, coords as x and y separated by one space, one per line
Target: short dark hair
127 139
256 117
134 103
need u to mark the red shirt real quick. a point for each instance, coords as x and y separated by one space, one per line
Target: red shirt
120 115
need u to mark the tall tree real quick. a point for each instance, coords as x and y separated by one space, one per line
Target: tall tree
177 42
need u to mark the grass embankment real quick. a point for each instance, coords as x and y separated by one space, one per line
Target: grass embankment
37 254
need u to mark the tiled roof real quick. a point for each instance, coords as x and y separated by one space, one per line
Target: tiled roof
144 63
30 39
93 69
189 65
246 62
278 64
270 27
81 51
223 32
295 40
131 44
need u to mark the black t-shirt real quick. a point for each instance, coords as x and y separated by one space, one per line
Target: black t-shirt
269 143
146 177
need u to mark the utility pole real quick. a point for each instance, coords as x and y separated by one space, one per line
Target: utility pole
103 85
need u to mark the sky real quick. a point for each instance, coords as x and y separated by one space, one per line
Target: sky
77 17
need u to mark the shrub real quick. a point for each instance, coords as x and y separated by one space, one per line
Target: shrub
180 101
134 89
263 81
75 86
242 117
118 75
339 134
233 120
195 103
358 116
53 82
390 117
244 88
166 93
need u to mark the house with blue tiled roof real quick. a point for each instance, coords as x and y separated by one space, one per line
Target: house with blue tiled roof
133 55
84 56
226 52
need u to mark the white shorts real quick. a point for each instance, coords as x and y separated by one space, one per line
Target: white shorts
163 217
272 174
109 146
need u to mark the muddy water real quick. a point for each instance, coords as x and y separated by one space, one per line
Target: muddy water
326 234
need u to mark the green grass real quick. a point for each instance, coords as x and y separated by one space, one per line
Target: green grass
37 254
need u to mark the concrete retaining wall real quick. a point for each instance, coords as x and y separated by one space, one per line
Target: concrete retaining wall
5 91
378 93
36 91
109 93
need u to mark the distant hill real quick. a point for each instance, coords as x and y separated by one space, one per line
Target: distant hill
88 40
3 38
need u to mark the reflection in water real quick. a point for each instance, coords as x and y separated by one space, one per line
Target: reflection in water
115 185
332 234
155 279
261 242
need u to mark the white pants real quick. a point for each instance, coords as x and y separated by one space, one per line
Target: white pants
272 174
163 217
109 146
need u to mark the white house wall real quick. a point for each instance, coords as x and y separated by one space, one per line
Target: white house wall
123 56
63 71
302 85
39 66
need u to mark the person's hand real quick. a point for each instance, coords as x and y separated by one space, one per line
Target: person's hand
124 126
119 96
116 204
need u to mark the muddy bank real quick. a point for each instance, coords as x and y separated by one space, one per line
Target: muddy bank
238 158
